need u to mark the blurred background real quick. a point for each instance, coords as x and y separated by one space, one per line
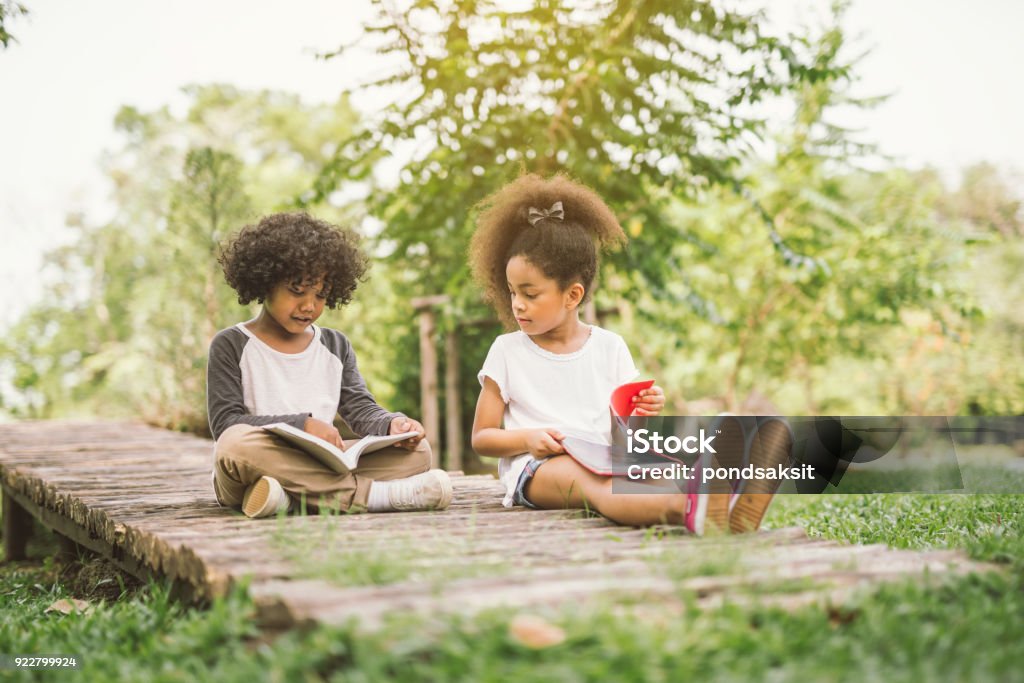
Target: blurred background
823 200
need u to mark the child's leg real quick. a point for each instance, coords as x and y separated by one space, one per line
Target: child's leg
564 483
245 453
401 480
770 447
394 463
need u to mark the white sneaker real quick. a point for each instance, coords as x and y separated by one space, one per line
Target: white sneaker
431 490
265 498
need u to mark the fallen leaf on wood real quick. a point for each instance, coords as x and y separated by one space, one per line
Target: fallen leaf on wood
534 632
67 606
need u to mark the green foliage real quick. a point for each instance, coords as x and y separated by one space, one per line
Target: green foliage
8 11
649 103
149 637
644 101
985 201
765 327
789 274
745 278
127 319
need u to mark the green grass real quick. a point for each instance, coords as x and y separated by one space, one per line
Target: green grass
330 552
353 561
967 628
988 527
145 637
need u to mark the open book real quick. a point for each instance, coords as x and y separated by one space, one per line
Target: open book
597 456
340 461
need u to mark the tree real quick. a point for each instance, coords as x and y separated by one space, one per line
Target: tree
743 274
124 328
984 200
645 101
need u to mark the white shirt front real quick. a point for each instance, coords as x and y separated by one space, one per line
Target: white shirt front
274 382
569 392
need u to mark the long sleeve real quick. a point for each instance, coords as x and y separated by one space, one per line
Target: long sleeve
224 397
356 404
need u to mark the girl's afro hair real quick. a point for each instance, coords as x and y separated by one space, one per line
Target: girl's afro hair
565 250
293 248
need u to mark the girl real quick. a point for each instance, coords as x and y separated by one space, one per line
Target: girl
536 253
281 367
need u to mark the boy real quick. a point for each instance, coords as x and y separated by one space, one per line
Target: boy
281 367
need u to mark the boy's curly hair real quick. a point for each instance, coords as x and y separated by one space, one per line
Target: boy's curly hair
566 250
293 248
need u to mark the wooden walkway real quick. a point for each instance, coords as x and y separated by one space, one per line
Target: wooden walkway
142 497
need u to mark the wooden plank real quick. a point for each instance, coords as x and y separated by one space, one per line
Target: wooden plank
142 497
73 532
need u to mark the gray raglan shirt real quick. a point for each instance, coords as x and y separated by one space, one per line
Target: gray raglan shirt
249 382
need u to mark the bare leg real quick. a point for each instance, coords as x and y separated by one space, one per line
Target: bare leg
563 483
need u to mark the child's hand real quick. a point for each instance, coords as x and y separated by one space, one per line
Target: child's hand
649 401
402 424
544 442
328 433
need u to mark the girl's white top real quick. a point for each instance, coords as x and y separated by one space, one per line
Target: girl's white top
569 391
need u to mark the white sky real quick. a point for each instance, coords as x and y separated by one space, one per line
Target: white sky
952 65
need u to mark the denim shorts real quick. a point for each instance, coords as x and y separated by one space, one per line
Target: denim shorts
519 494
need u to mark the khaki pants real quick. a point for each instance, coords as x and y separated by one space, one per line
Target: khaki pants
244 453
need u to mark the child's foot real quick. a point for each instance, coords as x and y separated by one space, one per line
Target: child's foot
431 490
730 440
265 498
696 513
697 519
769 448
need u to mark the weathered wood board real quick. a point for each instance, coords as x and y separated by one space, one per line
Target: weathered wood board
142 497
